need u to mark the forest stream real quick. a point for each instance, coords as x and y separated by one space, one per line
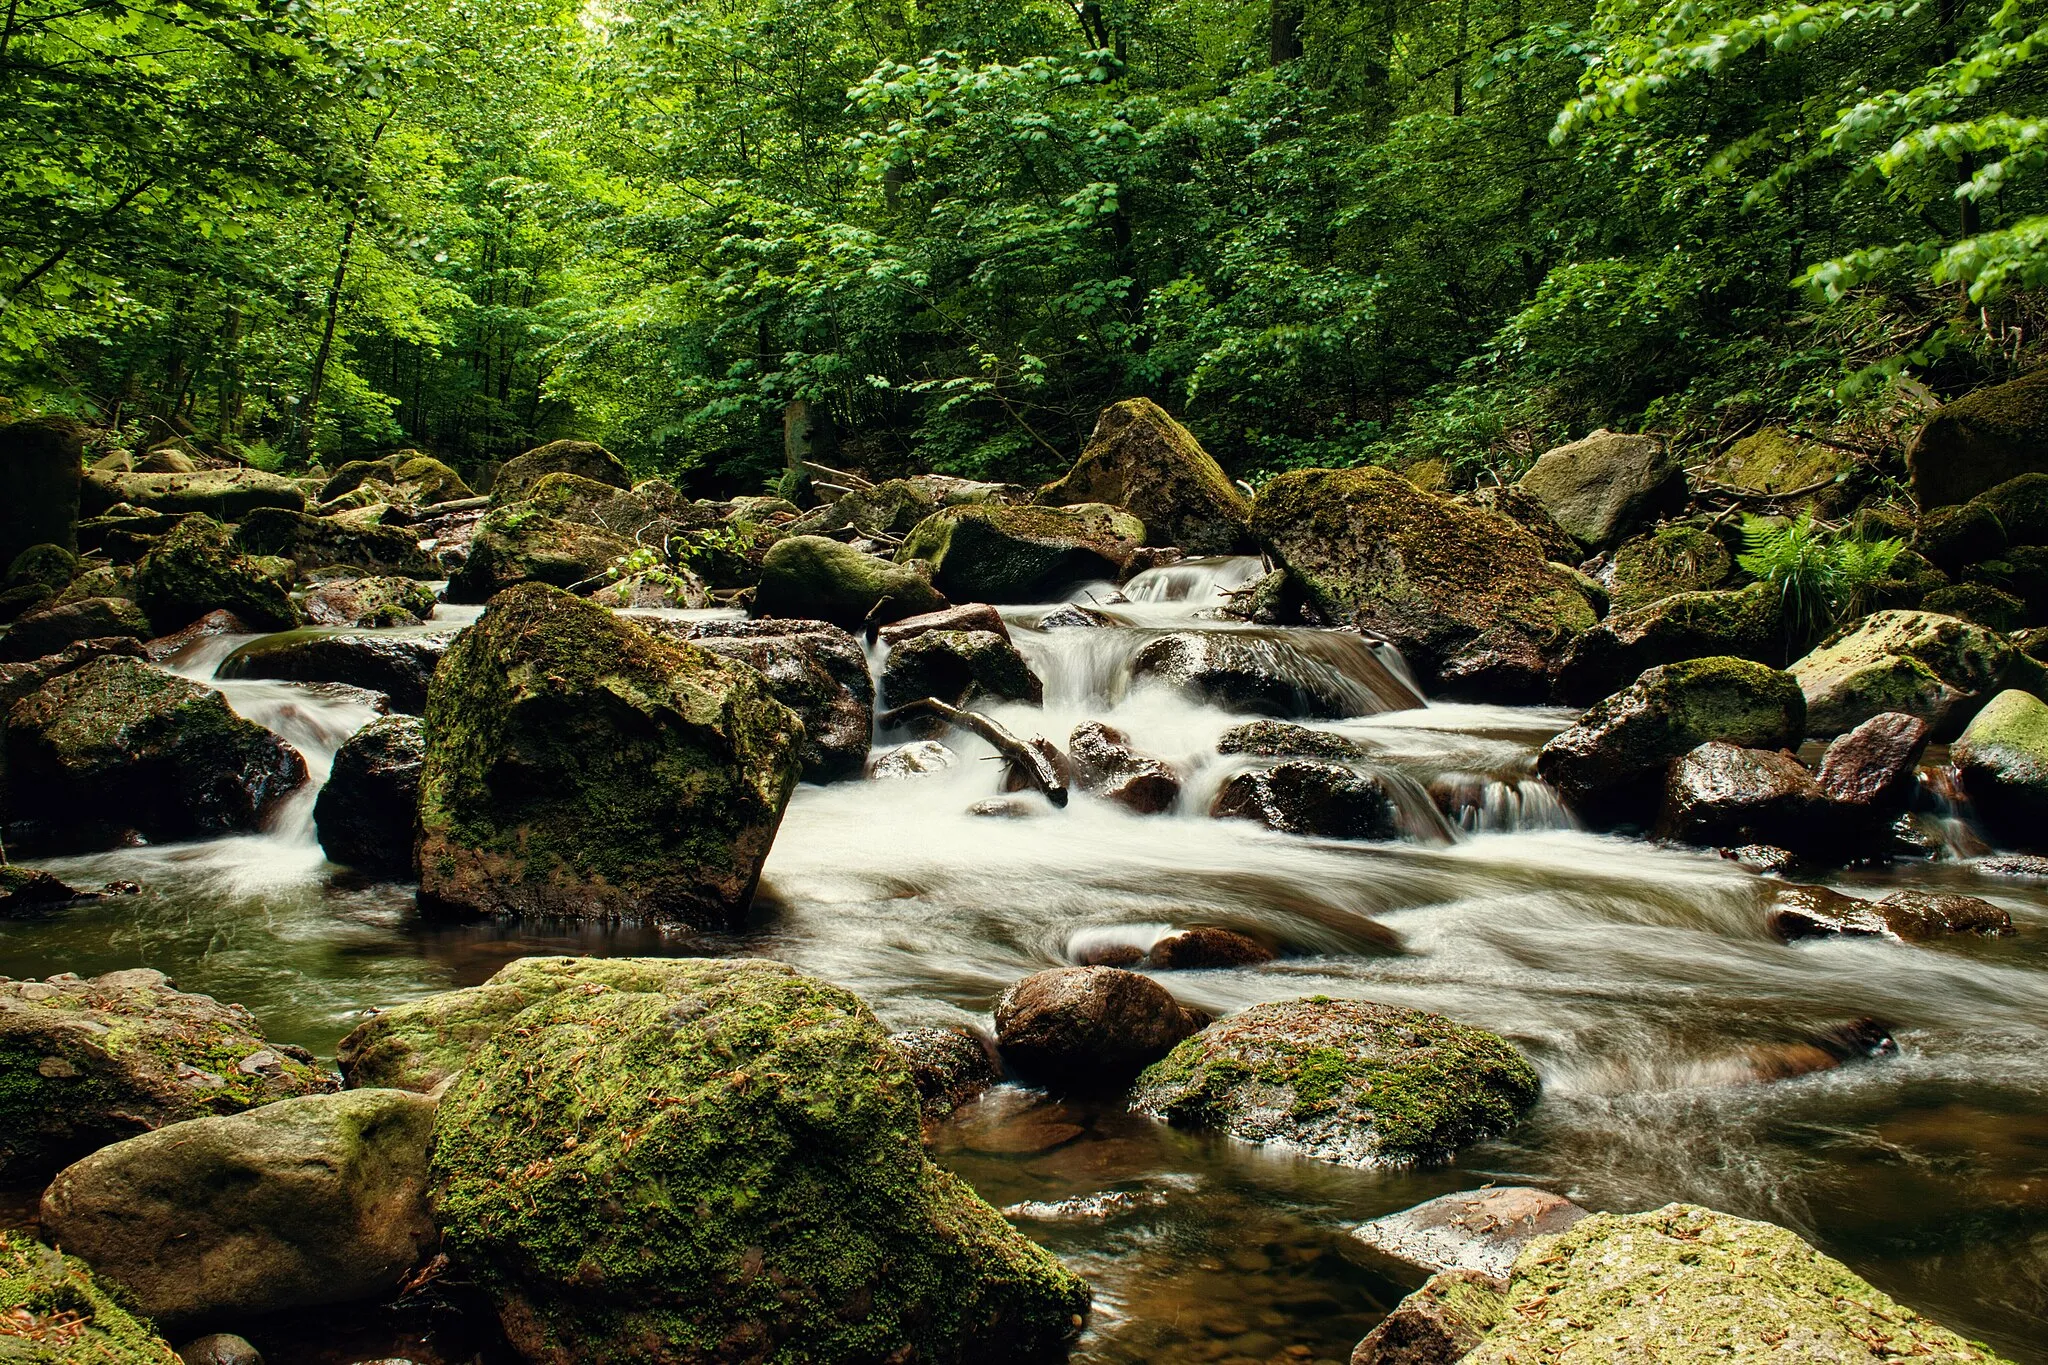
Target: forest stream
1639 979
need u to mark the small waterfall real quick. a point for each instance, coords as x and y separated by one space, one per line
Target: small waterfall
1196 582
1946 806
1479 804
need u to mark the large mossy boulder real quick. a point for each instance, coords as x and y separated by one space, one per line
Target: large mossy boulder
1671 559
812 577
890 508
1939 668
579 766
225 494
2002 758
1743 623
85 1063
117 748
323 542
1140 458
1347 1081
425 480
520 543
1605 487
1775 462
52 628
58 1314
35 578
199 568
981 552
649 513
1610 766
585 459
1687 1285
1467 595
40 461
365 814
367 602
725 1168
1979 441
401 666
308 1201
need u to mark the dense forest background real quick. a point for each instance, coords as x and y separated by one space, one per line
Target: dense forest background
1325 233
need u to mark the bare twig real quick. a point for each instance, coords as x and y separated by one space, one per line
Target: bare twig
1035 767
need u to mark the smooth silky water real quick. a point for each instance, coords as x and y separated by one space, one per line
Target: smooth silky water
1639 980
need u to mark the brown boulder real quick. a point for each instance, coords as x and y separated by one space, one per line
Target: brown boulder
1090 1028
1104 762
1142 459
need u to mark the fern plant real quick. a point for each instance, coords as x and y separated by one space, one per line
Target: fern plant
1822 577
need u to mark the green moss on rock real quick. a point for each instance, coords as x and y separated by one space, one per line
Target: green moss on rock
56 1313
521 543
1745 623
228 494
311 542
812 577
52 628
1978 603
577 765
1979 441
585 459
727 1170
1140 458
2002 758
1347 1081
1671 559
981 552
199 568
1775 461
1939 668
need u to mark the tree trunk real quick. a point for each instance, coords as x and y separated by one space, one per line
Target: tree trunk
1283 31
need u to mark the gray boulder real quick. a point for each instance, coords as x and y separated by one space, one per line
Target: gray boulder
1607 486
1939 668
1089 1028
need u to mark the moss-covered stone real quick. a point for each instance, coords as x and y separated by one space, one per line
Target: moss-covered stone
57 1314
585 459
226 494
958 667
890 508
99 580
1467 595
1602 488
577 765
46 566
39 468
1979 604
988 553
117 747
321 542
93 618
811 577
1688 1286
1775 461
1979 441
1609 767
1670 559
731 1171
814 668
85 1063
520 543
354 475
198 568
429 481
1348 1081
368 602
2002 758
1140 458
1559 545
1744 623
1939 668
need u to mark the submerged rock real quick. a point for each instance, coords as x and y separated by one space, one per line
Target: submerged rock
198 568
949 1066
1103 761
810 576
399 666
1605 486
1748 623
959 667
26 891
1478 1230
584 1168
1308 796
366 812
58 1314
1207 946
116 746
550 708
307 1201
1140 458
987 553
91 1062
1089 1028
1939 668
2002 759
814 668
1348 1081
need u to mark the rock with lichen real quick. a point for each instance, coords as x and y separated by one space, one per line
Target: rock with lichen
1939 668
200 567
1347 1081
520 542
85 1063
1667 560
1603 487
368 602
312 542
734 1169
811 576
56 1313
50 629
1140 458
585 459
981 552
1739 623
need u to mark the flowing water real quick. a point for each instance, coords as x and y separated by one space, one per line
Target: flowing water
1639 980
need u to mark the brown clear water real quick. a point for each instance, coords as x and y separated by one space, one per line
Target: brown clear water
1640 981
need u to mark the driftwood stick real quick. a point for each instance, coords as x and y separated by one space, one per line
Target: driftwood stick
1036 768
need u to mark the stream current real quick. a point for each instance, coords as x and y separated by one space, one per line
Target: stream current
1638 979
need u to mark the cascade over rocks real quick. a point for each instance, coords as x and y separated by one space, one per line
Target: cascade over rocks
1938 668
307 1201
198 568
1746 623
91 1062
322 542
585 459
550 708
989 553
1348 1081
1604 487
1240 671
1610 766
399 666
1089 1028
811 576
1312 797
586 1161
117 746
1103 762
54 1297
1141 459
2003 761
366 812
39 468
1980 440
1467 595
959 667
50 630
1278 739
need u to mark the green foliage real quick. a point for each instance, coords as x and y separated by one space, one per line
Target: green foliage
1823 577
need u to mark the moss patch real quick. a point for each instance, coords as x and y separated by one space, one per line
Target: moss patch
1140 458
52 1312
198 568
986 553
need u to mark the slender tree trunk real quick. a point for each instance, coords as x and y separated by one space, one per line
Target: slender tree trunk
1283 32
310 411
56 258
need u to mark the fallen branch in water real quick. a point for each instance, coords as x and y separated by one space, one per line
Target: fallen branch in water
1036 768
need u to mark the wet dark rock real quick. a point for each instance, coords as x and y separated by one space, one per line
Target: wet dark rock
1723 794
198 568
1151 557
1070 616
368 603
321 542
1245 673
959 667
549 708
1800 912
96 1061
986 553
1978 441
366 812
814 668
598 1100
1206 946
399 666
1478 1230
1979 604
1609 768
1602 488
315 1200
585 459
34 579
1872 766
810 576
51 629
1104 762
19 680
1746 623
2002 759
2026 866
920 758
1939 668
116 746
1089 1028
1822 1049
39 468
1469 597
1766 859
1140 458
1439 1324
1278 739
1348 1081
26 892
1308 796
219 1348
967 616
949 1066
